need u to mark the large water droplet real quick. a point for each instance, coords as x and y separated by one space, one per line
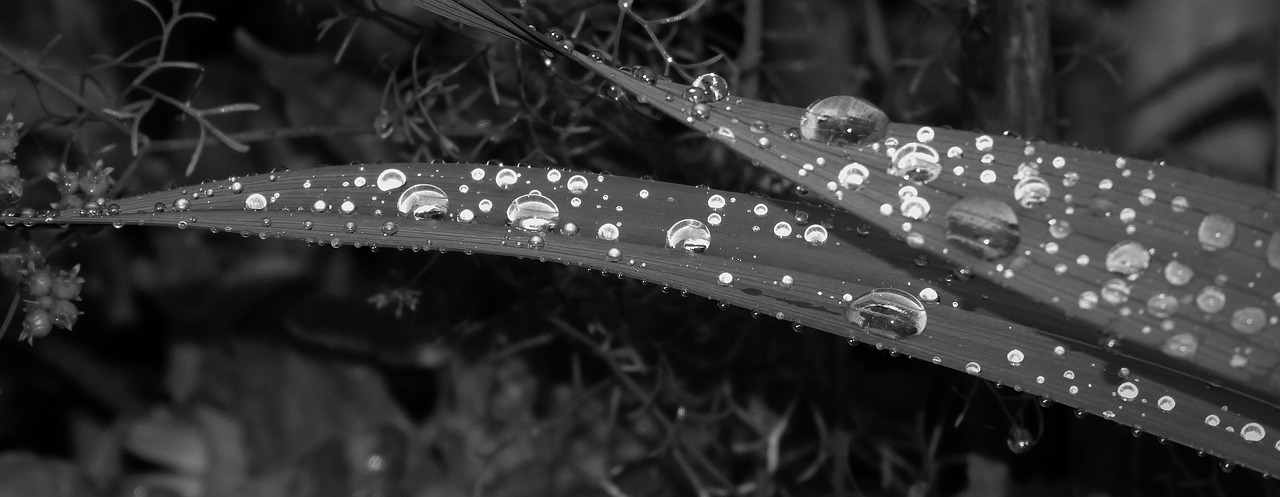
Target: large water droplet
1217 232
255 202
390 179
984 227
1020 440
423 201
843 120
533 212
715 87
887 312
1031 191
1128 258
916 162
689 235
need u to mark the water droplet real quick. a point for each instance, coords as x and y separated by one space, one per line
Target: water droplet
916 162
888 313
815 234
1216 232
853 176
915 208
1253 432
1178 273
1179 204
973 368
390 179
1127 390
843 120
725 279
1088 300
506 178
1211 299
983 143
713 86
537 242
715 202
760 210
1166 403
349 227
782 229
423 201
1162 305
1020 440
569 229
181 205
613 254
1115 291
984 227
577 184
607 231
1248 320
1031 191
477 174
1182 345
1015 357
689 235
924 134
1128 258
533 212
236 187
255 202
389 228
347 207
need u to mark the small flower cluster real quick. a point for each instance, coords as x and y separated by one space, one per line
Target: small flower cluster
79 187
10 179
51 292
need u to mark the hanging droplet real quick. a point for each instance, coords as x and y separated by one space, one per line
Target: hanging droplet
1020 440
853 176
1031 191
533 212
689 235
423 201
984 227
843 120
1128 258
888 313
390 179
713 86
1217 232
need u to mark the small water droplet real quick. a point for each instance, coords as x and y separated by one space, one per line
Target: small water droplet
1166 403
1015 357
613 254
915 208
1127 390
689 235
390 179
1115 291
725 279
916 162
1182 345
537 242
1178 273
1216 232
843 120
1179 204
1031 191
181 205
984 227
983 143
853 176
782 229
1162 305
1128 258
888 313
389 228
533 212
760 210
1211 299
423 201
973 368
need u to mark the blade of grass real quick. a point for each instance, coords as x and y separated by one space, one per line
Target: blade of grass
824 277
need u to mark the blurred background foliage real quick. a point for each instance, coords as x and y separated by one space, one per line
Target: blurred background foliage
208 365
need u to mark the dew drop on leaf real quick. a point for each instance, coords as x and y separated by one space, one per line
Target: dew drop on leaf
255 202
390 179
689 235
1031 191
389 228
713 86
853 176
984 227
1248 320
715 202
423 201
505 178
533 212
782 229
916 162
915 208
607 231
843 120
1115 291
815 234
1182 345
888 313
1162 305
725 279
1211 299
1128 258
1216 232
577 184
1177 273
973 368
181 205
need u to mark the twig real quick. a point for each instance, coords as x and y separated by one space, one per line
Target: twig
40 76
264 135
